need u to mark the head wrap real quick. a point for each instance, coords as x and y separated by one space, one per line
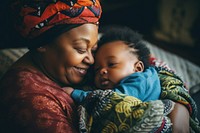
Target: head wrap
34 17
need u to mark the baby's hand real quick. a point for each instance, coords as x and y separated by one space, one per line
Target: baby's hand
68 90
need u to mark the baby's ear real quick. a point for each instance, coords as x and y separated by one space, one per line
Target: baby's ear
41 49
139 66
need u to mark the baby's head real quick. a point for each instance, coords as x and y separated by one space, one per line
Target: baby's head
120 53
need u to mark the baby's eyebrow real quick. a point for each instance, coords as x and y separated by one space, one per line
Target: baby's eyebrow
111 57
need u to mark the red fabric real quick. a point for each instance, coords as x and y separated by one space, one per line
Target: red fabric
159 63
35 17
30 102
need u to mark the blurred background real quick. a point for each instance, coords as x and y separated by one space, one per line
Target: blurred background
173 25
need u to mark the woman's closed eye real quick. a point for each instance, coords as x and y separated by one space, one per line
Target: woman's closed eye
81 50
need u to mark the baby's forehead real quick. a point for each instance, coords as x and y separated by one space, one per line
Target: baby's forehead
116 46
113 45
115 50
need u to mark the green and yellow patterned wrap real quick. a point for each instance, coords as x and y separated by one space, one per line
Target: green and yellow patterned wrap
111 112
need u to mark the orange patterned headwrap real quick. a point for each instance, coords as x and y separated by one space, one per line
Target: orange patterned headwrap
34 17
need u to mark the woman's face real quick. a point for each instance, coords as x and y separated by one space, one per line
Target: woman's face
113 62
68 58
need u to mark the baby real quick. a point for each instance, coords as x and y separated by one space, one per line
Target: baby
122 65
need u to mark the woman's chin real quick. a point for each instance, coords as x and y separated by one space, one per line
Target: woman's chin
78 81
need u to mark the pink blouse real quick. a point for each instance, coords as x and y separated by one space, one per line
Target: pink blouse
31 102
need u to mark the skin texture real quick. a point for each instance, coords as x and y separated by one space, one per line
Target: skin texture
68 58
113 62
180 119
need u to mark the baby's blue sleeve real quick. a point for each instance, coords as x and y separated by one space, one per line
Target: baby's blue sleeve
132 86
79 95
142 85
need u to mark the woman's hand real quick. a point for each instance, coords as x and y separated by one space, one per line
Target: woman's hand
180 119
68 90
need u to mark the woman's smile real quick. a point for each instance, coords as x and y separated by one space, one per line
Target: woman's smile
81 71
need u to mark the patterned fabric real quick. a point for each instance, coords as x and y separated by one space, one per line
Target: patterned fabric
114 112
107 111
32 103
173 88
34 17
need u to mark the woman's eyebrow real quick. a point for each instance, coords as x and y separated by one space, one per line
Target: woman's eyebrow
86 40
81 39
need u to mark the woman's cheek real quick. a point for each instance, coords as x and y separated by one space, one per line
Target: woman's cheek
73 60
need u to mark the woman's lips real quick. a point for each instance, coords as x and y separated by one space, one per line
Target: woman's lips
81 71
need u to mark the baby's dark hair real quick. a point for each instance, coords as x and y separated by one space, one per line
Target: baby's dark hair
133 39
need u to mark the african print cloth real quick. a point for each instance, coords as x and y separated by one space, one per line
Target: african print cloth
173 88
108 111
33 17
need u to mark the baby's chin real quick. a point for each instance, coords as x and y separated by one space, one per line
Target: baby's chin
107 88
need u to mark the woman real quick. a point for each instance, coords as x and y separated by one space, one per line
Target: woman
61 36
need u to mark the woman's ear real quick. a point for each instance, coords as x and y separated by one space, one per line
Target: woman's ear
139 66
41 49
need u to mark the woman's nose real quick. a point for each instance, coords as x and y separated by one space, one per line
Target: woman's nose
89 59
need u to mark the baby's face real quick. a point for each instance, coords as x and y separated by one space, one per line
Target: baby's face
113 62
